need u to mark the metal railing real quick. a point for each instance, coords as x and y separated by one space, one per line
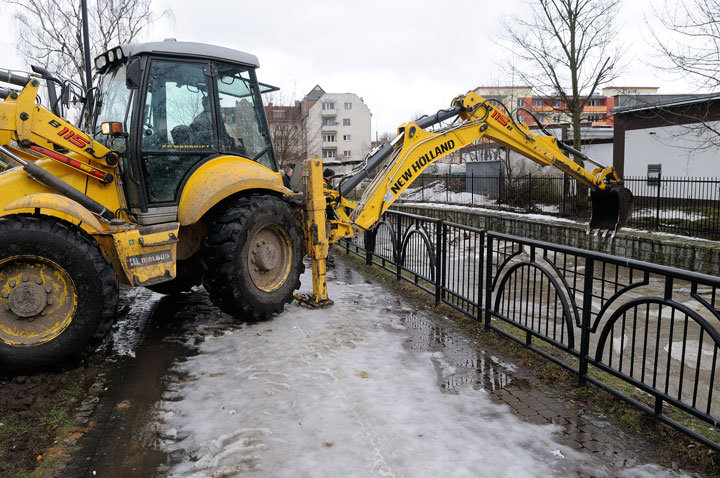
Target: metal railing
689 206
648 334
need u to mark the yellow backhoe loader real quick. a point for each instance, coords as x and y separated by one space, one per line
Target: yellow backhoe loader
176 184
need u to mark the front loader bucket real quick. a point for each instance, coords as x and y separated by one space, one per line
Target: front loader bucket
611 208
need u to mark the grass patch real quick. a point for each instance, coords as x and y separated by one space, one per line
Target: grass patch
37 413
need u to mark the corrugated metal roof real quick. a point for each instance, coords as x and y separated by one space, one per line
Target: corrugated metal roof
650 102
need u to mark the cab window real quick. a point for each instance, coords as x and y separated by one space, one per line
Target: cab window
240 115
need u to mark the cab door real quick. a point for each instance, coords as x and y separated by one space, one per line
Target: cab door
177 130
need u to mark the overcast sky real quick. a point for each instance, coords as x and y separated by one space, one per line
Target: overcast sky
404 58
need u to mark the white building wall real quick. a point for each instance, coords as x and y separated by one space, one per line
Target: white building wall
675 148
354 137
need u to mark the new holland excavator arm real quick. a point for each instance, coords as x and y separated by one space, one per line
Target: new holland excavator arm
401 161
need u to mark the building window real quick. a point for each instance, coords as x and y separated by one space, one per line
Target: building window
328 105
346 137
328 121
278 114
594 103
494 102
557 103
346 122
520 103
328 153
538 102
329 138
346 154
348 105
653 174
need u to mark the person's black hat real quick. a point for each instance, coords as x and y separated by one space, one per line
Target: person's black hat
328 173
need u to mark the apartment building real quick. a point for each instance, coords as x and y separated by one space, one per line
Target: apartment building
552 110
337 127
331 126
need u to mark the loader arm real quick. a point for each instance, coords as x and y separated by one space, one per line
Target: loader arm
29 132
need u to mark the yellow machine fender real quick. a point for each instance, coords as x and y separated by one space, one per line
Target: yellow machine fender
220 178
59 204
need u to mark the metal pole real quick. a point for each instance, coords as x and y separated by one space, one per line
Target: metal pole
657 205
86 54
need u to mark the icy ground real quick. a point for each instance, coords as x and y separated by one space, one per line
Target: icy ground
342 392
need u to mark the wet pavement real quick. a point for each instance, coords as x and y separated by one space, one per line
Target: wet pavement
193 393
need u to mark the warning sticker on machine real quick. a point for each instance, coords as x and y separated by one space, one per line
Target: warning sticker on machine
149 259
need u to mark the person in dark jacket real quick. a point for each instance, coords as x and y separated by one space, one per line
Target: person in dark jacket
328 175
286 177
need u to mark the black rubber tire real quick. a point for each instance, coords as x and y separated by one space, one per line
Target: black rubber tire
227 277
189 274
97 291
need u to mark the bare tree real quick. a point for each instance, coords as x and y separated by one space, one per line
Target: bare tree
288 139
287 129
565 51
690 41
50 31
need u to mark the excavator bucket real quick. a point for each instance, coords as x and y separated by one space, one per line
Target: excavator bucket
611 209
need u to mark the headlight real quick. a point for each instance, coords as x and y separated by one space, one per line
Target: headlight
101 62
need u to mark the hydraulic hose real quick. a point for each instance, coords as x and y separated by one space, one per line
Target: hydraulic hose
45 178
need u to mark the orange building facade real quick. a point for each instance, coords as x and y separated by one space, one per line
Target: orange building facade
552 110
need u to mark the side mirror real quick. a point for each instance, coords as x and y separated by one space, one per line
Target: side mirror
133 73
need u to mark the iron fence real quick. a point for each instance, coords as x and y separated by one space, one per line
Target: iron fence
689 206
645 333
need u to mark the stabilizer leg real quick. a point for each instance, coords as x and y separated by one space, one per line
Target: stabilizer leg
316 240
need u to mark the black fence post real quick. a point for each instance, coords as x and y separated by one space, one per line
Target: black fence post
447 187
500 187
439 248
481 269
398 244
657 204
369 245
472 188
585 324
488 281
529 181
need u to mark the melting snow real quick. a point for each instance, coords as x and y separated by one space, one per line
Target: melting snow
336 392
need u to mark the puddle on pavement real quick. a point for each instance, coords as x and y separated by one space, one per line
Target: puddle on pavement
459 364
152 333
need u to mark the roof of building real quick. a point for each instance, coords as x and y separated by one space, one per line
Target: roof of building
505 87
315 94
632 103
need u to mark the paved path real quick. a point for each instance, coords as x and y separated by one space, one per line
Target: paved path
371 387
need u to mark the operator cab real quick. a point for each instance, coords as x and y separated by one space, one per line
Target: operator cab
181 104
